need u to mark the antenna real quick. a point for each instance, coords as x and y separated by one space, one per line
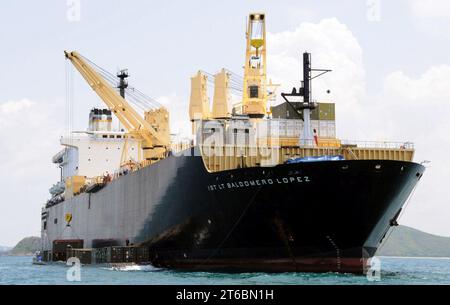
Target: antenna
305 91
123 84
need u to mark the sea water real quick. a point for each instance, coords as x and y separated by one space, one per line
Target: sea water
20 270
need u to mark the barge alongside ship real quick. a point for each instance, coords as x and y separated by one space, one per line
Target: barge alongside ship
235 199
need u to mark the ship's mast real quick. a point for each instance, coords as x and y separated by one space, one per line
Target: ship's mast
307 105
123 84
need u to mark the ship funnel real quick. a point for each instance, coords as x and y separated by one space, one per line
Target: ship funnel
100 120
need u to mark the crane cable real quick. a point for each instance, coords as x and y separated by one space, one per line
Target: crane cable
69 101
235 84
138 98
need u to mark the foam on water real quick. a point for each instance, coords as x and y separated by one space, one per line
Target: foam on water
126 268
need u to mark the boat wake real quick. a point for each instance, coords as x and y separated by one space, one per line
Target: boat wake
133 268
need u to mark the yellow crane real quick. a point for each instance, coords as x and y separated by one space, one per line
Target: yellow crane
255 94
152 129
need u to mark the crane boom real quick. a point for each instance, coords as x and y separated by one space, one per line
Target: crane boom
135 124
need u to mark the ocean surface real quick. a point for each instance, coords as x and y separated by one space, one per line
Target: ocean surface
19 270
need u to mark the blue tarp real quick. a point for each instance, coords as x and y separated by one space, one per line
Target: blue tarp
315 159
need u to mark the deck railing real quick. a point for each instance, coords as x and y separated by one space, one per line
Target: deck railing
378 144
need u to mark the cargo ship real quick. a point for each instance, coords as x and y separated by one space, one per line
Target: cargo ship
258 187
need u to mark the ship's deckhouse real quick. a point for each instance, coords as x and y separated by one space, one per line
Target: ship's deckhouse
95 152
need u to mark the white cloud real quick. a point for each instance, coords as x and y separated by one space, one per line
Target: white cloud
407 109
29 133
334 47
419 109
27 129
416 90
11 107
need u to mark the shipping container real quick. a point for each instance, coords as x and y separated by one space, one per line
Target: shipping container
60 248
116 255
84 255
324 112
59 257
103 243
62 245
129 254
142 255
286 111
101 256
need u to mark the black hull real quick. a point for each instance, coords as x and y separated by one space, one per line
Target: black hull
322 216
312 217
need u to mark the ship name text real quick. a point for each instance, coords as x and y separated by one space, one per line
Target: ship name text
258 182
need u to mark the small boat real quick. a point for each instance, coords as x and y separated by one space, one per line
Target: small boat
37 259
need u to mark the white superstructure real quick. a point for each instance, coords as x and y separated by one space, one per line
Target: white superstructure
95 152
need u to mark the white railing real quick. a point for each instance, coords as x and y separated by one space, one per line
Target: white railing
378 144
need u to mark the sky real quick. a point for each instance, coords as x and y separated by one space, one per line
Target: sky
390 79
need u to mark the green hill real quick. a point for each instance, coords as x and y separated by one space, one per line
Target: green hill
406 241
27 246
